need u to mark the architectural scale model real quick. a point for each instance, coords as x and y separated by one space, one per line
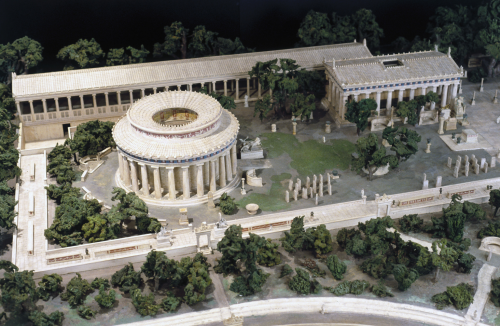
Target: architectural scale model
321 184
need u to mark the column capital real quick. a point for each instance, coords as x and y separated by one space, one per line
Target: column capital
94 95
44 99
185 167
155 88
170 167
248 77
225 81
130 90
106 93
200 164
143 89
81 96
68 97
237 79
155 166
141 164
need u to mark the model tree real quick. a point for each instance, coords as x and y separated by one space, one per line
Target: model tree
199 280
302 284
297 238
356 287
227 204
495 291
170 303
86 312
82 54
49 285
461 296
227 102
159 268
445 259
121 56
127 279
57 193
91 137
322 240
492 230
7 103
367 27
268 255
262 107
39 318
359 112
408 111
380 290
98 282
76 291
23 54
495 200
18 290
234 248
7 206
403 141
280 78
303 106
371 156
144 304
336 267
404 276
411 223
105 299
315 29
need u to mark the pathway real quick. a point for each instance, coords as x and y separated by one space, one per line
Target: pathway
482 295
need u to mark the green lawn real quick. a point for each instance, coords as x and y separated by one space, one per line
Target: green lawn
312 156
274 200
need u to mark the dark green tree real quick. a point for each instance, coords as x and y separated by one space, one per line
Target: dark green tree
198 281
18 57
380 290
95 229
408 111
82 54
343 30
445 259
18 290
7 102
263 107
359 112
227 102
411 223
378 267
465 263
336 267
403 141
268 255
170 303
175 44
91 137
492 230
297 238
144 304
461 296
356 287
322 240
286 270
8 266
495 200
86 312
303 106
127 279
495 291
159 268
58 192
105 299
371 156
39 318
302 284
315 29
404 276
49 285
7 206
227 204
367 28
137 55
76 291
98 282
116 57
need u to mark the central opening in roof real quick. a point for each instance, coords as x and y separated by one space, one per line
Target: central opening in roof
393 63
174 117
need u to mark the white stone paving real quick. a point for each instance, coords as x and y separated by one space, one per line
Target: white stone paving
482 294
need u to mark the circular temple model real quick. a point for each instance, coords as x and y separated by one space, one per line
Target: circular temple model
175 147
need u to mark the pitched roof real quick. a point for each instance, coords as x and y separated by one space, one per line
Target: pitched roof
175 71
400 67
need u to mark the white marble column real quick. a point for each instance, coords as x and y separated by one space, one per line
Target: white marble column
157 181
126 172
57 105
454 91
412 94
214 86
225 87
329 90
44 103
344 103
143 93
248 86
171 183
156 88
423 90
401 93
120 165
229 170
106 98
212 176
144 178
179 87
18 105
355 97
133 176
444 95
199 180
186 189
94 100
237 88
434 89
222 172
81 102
234 159
378 102
389 100
70 106
131 96
206 173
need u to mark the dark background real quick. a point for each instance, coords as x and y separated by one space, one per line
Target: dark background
261 24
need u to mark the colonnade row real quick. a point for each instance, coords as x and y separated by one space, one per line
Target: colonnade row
50 108
152 180
338 98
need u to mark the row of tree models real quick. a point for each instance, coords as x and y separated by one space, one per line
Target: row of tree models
464 29
186 281
288 85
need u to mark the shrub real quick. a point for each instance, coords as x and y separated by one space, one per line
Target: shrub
144 304
378 266
76 291
86 312
301 283
461 296
39 318
99 281
492 230
48 285
127 279
465 263
105 300
336 267
227 204
170 303
404 276
268 255
286 270
495 291
380 290
411 223
349 287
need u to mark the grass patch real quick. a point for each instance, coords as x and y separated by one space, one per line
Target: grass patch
272 201
309 157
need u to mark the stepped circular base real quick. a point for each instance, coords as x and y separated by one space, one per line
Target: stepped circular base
180 202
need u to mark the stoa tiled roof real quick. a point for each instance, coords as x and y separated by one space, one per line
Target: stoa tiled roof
397 67
174 71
